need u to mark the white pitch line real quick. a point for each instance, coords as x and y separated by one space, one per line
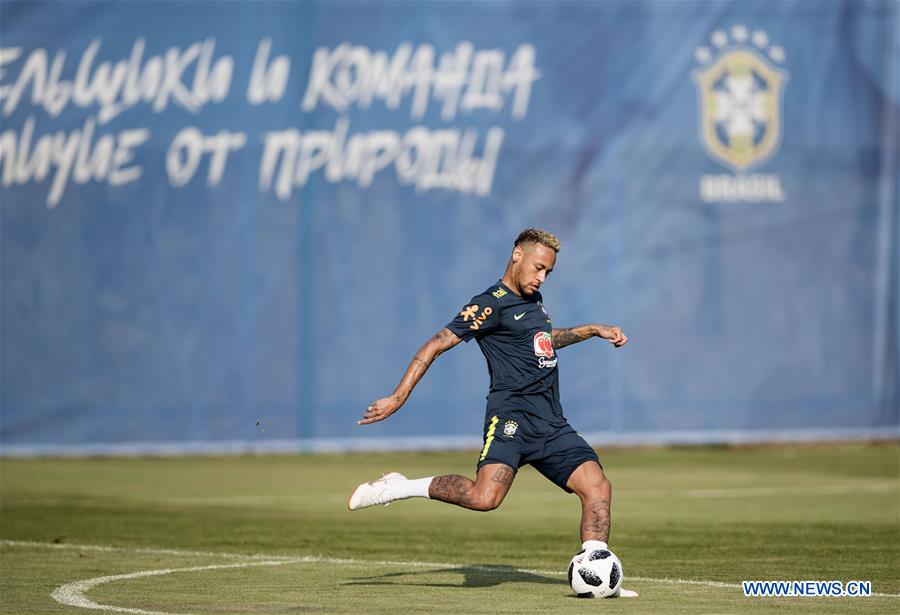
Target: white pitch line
667 581
72 594
75 591
305 558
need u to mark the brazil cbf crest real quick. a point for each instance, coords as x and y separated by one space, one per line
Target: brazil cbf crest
509 429
740 91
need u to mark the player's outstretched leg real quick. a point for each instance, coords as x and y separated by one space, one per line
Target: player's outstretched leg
591 485
484 493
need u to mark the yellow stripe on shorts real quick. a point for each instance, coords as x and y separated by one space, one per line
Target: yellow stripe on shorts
489 438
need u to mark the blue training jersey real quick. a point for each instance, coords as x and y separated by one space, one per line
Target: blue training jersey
514 334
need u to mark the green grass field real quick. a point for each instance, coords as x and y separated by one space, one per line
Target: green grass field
272 534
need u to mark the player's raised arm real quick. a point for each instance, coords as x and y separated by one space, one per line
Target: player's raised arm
440 342
572 335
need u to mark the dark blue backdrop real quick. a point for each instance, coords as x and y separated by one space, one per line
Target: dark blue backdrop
723 177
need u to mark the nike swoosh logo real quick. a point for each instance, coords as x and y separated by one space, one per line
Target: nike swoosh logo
518 316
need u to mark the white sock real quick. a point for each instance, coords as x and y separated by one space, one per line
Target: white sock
594 544
415 488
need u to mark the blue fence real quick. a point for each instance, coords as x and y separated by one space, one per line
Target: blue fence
229 225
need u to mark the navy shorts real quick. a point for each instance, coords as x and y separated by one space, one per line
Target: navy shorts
517 439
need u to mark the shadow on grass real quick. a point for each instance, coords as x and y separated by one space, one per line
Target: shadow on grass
473 576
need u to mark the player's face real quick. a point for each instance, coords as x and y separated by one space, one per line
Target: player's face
535 264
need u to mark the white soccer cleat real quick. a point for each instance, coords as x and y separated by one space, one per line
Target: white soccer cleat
375 492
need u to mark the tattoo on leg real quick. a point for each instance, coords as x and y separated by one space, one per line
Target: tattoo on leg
452 488
595 519
504 476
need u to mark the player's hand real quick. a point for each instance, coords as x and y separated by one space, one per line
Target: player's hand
380 410
613 335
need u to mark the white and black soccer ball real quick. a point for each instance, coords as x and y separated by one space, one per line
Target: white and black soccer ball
595 573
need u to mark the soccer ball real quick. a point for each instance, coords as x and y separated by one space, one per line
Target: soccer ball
596 573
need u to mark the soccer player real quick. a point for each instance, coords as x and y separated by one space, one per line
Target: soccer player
524 421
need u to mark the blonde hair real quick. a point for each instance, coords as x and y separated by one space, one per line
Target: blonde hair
537 235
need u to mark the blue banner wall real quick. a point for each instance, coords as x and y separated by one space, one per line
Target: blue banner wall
229 225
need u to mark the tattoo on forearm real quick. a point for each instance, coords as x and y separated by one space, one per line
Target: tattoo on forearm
572 335
417 368
452 488
504 476
595 520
